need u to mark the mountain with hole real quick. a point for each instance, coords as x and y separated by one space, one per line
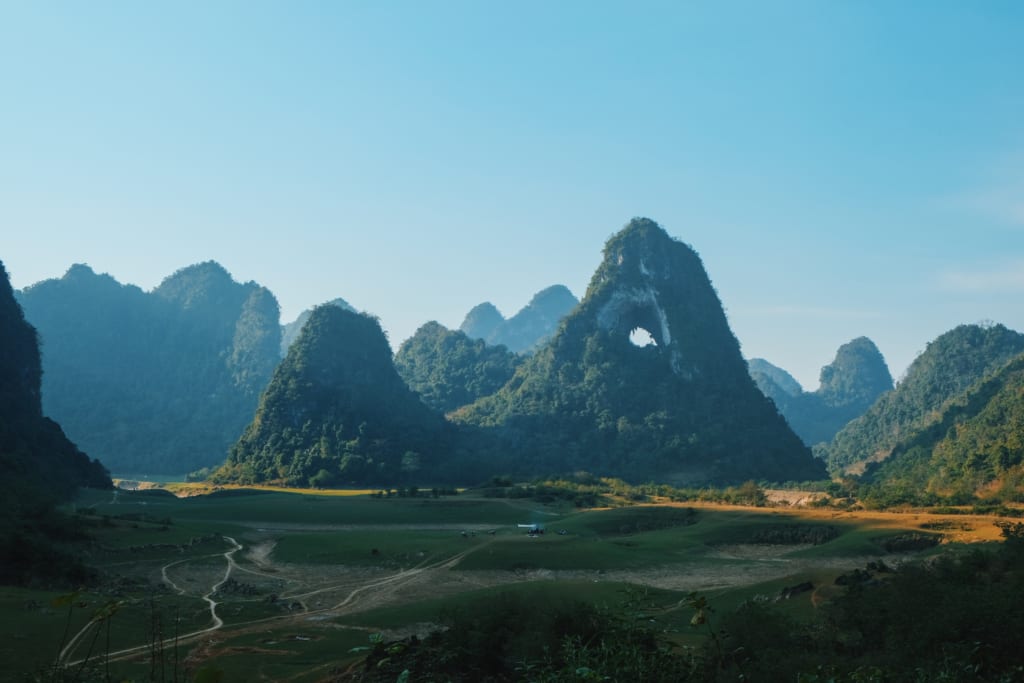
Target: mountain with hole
644 379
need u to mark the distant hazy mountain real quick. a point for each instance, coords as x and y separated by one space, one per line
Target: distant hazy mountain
290 331
973 447
482 321
773 381
848 387
157 382
949 366
449 370
528 328
683 409
337 413
38 464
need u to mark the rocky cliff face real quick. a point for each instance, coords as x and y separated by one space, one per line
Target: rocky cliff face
683 408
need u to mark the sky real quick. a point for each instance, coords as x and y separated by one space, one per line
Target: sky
844 168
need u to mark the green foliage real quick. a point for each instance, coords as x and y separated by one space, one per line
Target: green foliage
449 370
583 489
337 413
159 382
685 410
507 639
957 618
949 366
972 448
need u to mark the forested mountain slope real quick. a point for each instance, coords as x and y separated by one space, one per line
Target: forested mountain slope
973 449
337 413
154 382
950 365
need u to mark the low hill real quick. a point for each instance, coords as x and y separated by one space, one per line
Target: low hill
449 370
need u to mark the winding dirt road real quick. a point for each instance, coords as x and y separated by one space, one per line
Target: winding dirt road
376 589
228 556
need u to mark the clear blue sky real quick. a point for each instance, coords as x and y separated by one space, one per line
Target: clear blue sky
843 168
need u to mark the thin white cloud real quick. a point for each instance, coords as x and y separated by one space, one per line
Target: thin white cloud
820 312
1003 204
999 196
1006 278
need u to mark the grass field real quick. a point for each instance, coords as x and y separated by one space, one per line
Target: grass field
283 585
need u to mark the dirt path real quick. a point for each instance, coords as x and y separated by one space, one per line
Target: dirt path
377 589
230 557
208 597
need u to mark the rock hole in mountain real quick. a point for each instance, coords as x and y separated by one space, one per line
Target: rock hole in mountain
641 337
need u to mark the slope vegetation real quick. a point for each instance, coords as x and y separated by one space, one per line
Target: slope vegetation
337 412
949 366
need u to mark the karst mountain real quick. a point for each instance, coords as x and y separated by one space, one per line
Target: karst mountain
681 409
158 382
